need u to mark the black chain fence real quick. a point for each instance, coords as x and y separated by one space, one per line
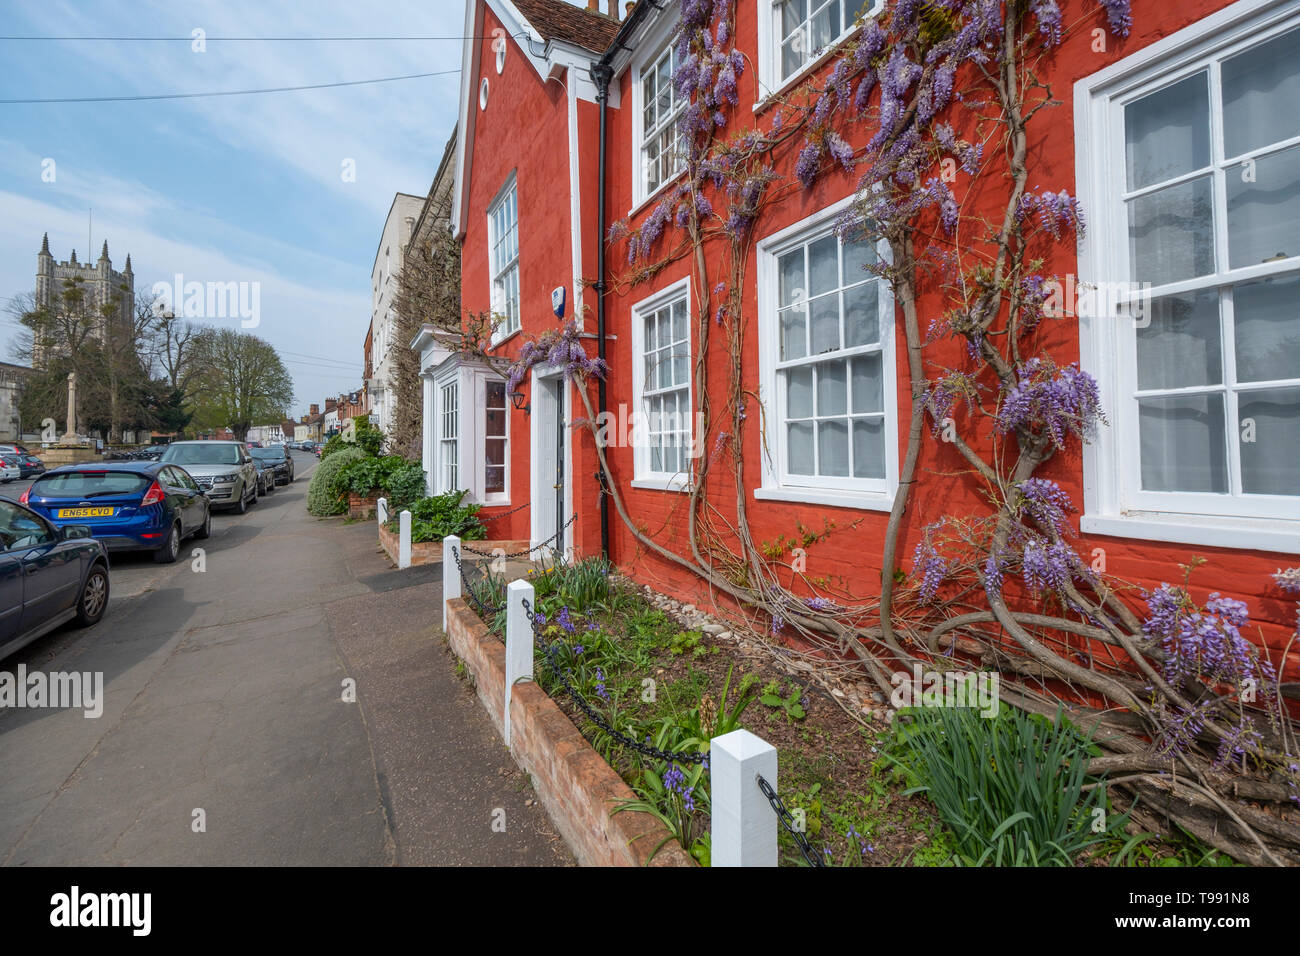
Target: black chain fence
537 547
786 819
467 588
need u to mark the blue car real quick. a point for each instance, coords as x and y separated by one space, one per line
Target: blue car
128 506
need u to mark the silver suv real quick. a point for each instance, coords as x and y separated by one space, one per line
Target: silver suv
223 469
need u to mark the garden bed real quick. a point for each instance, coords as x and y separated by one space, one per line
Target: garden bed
849 770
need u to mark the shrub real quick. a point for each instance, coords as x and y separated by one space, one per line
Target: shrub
368 438
432 519
322 497
398 478
406 484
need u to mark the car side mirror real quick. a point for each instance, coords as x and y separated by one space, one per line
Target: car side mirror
71 532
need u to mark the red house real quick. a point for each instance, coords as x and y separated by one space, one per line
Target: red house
1180 141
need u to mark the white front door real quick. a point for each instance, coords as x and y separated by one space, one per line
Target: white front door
550 439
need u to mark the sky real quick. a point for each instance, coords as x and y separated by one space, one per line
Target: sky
246 189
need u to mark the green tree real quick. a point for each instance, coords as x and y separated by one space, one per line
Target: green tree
238 380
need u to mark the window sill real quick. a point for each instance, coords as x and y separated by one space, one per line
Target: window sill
662 484
1250 533
497 342
660 192
821 496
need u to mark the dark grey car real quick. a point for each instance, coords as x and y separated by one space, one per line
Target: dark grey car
48 576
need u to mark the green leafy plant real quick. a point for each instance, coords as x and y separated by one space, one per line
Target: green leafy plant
433 518
1013 788
789 704
684 641
368 438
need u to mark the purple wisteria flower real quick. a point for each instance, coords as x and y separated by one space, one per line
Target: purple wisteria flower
1048 15
1203 643
932 567
1045 502
1060 400
1119 15
1046 565
825 605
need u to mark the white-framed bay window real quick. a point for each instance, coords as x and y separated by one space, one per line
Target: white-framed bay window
503 258
471 433
661 349
795 34
826 358
1189 167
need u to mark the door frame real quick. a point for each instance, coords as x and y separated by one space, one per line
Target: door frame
541 427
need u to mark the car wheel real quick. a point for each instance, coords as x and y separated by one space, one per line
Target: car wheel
94 597
242 507
205 530
171 548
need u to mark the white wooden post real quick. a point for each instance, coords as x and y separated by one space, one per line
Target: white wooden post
744 823
404 542
519 640
450 574
381 511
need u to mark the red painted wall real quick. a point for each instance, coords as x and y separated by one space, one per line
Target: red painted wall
850 556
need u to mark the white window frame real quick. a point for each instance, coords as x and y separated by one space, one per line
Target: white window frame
643 475
660 44
777 485
448 420
500 273
480 492
770 82
1114 503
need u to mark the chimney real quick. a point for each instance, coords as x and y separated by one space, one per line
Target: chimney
331 405
315 410
613 9
593 6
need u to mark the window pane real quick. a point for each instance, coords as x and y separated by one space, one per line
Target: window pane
656 456
833 448
868 384
862 315
799 391
791 57
1261 88
824 265
868 448
679 320
1167 133
825 25
1264 215
799 444
1268 462
1171 234
494 479
495 421
494 451
1180 347
1182 444
792 285
792 13
825 324
793 342
858 255
832 393
1266 317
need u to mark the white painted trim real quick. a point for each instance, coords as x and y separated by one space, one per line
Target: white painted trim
676 483
641 452
1112 500
575 207
511 183
842 492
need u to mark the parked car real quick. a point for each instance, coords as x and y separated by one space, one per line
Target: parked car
28 464
128 506
280 460
9 468
265 475
223 469
48 576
